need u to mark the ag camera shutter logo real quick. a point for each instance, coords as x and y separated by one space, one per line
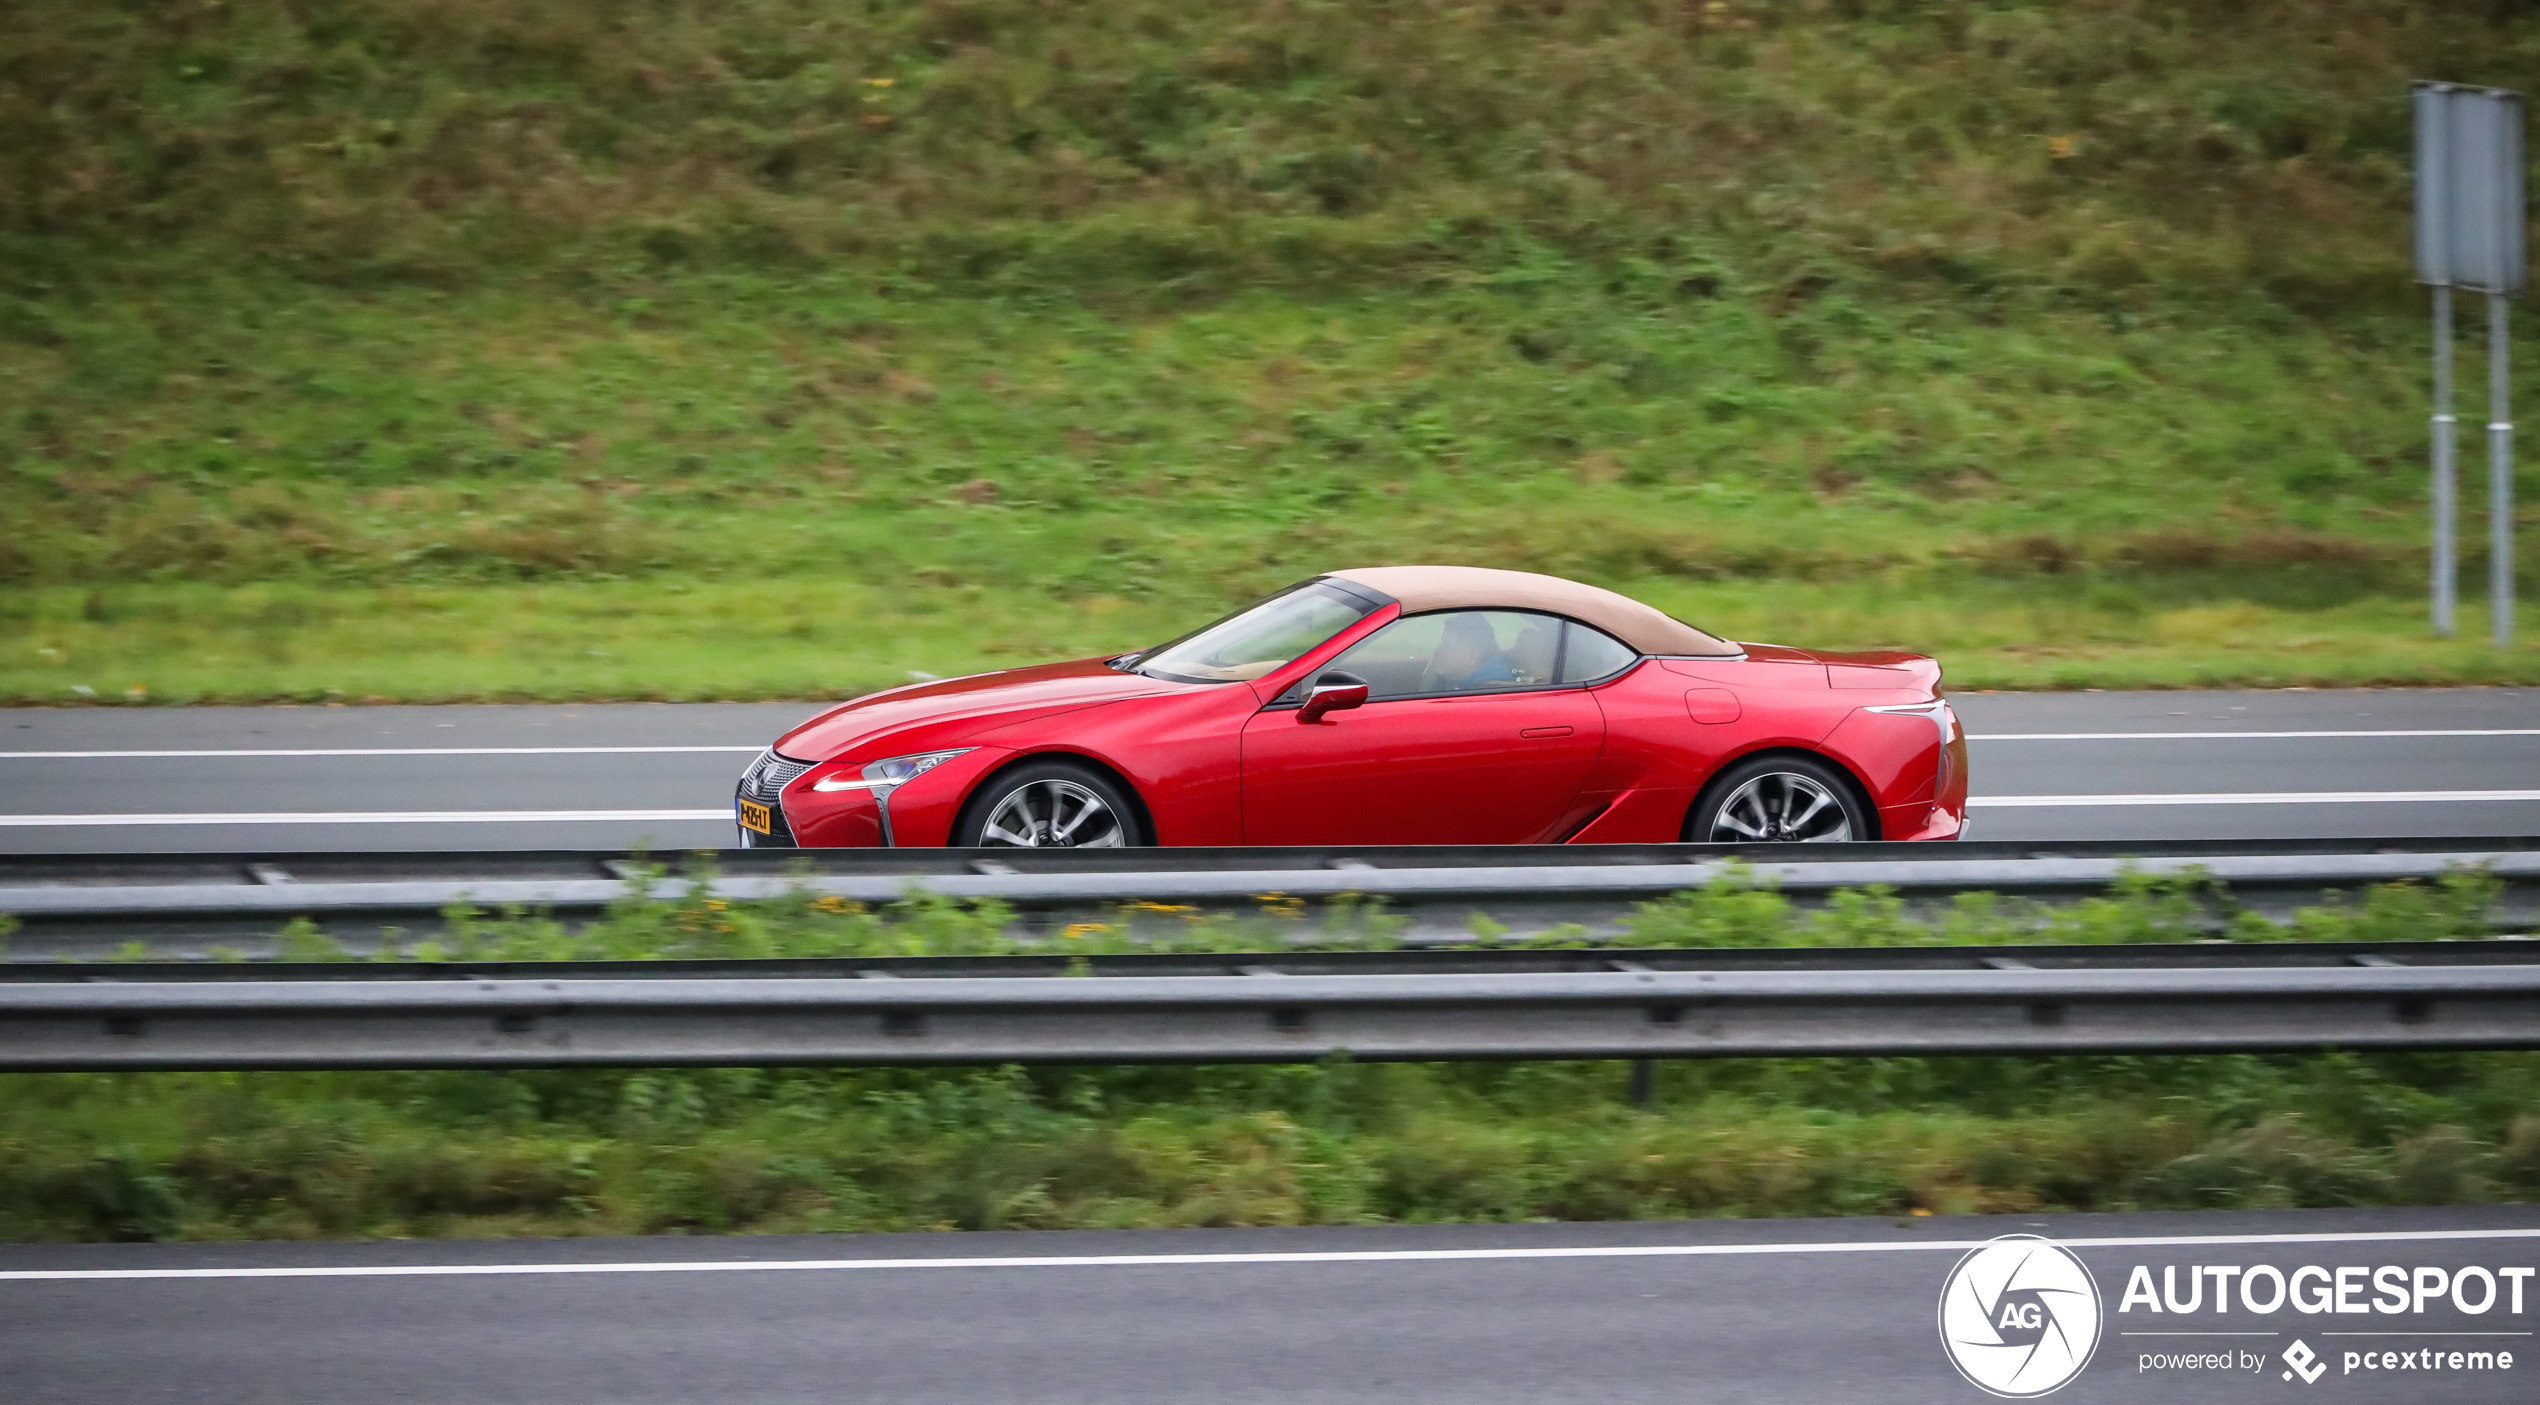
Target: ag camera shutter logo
2019 1316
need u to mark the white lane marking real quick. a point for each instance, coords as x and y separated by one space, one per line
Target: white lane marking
370 817
668 750
2287 797
370 751
2257 797
1356 1256
2294 797
2242 736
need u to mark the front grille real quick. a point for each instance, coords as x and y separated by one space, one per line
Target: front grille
765 782
770 774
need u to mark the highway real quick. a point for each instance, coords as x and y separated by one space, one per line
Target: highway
2253 765
1729 1311
1820 1311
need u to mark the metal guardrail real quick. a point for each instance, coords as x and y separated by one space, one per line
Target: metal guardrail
1468 960
70 905
266 866
1634 880
1632 1009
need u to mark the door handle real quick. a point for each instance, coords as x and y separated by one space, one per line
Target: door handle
1545 731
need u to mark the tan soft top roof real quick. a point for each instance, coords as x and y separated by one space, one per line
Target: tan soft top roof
1422 588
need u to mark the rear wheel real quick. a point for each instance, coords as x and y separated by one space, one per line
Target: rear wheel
1779 800
1049 805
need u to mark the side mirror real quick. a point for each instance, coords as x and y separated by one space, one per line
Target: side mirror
1333 692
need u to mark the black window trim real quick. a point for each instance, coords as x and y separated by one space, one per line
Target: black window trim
1363 592
1560 656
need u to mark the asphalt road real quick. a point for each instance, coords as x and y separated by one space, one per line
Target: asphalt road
1819 1311
2046 765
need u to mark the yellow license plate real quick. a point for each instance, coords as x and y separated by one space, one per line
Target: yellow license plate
754 816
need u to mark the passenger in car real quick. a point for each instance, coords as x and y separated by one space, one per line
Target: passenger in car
1468 657
1532 655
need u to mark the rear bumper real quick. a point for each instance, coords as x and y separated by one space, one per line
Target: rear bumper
1922 822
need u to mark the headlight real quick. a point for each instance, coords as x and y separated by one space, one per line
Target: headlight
896 770
908 768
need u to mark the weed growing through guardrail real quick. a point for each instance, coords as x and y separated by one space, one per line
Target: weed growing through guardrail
2138 907
293 1155
675 921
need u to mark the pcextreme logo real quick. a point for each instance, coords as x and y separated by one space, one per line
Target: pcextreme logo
2019 1316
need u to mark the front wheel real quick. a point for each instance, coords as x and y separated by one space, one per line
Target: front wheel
1049 805
1778 800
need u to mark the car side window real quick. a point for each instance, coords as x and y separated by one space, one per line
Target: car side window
1454 651
1590 654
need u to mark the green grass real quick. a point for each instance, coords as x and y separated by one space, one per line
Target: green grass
822 639
390 349
2102 143
226 1156
284 1156
737 494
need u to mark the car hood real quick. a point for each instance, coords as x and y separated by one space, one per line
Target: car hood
957 710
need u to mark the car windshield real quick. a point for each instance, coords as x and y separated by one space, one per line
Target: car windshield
1252 642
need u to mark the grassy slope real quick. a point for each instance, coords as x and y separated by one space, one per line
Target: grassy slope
489 350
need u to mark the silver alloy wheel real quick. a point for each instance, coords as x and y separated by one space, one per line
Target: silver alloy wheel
1052 814
1781 807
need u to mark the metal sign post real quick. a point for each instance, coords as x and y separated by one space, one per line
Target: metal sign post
2469 234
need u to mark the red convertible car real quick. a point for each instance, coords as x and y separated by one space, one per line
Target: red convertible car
1391 705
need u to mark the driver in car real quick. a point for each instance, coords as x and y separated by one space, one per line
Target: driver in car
1468 657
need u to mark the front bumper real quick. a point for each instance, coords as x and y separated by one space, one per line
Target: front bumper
847 819
919 813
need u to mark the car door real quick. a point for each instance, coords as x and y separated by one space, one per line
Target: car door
1465 739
